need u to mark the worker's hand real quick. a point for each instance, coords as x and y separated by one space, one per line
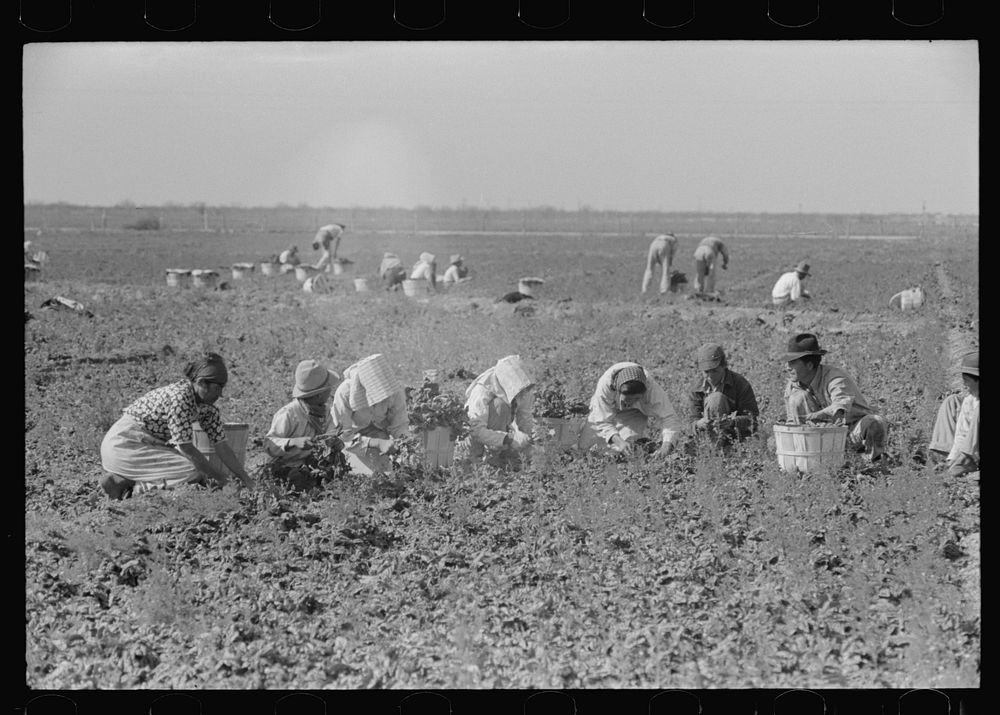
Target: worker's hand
702 424
817 417
520 440
619 445
665 449
300 442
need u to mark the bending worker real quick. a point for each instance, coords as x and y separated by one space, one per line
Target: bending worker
706 260
369 407
625 403
425 268
152 444
294 426
391 271
327 240
823 393
499 404
661 253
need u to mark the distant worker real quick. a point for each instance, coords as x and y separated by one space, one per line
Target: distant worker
789 287
289 258
706 260
722 403
326 237
625 403
824 393
955 438
526 288
661 253
499 404
391 271
425 268
457 271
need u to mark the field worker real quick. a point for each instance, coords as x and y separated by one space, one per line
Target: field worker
369 407
661 253
457 271
499 403
706 260
151 445
29 256
289 258
956 431
627 401
391 271
294 426
789 287
425 268
722 404
823 393
327 237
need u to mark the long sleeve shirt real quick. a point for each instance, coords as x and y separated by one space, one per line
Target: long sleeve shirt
388 415
455 273
834 390
654 404
789 286
967 430
290 422
490 417
736 389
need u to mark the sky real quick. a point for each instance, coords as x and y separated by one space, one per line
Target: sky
727 126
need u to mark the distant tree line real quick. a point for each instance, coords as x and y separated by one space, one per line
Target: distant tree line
127 216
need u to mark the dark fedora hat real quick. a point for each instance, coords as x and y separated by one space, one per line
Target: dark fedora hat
801 345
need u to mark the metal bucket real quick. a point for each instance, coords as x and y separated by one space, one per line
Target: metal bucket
361 285
810 448
302 273
242 270
270 269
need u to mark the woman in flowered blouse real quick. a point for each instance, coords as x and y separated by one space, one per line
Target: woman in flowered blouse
152 446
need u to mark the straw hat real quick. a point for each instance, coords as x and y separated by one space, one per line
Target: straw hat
456 258
311 378
970 363
710 356
427 257
801 345
802 268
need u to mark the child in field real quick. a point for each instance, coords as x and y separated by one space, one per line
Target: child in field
369 407
294 426
722 404
956 431
499 404
626 402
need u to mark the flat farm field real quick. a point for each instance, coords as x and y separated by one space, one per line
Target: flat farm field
705 571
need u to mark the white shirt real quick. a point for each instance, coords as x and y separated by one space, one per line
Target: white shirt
789 286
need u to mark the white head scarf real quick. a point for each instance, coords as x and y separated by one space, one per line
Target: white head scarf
370 381
506 379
